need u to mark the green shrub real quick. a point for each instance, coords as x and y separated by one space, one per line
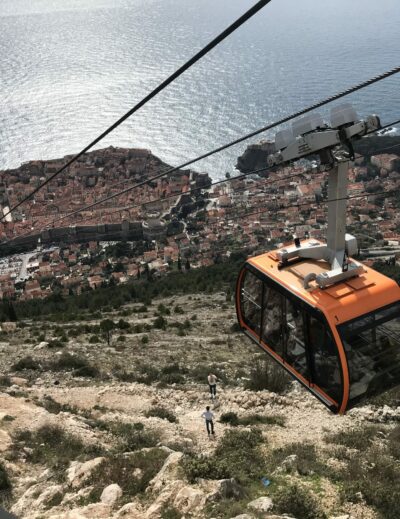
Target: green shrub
5 483
137 328
52 446
230 418
238 455
5 381
120 469
173 368
130 436
79 365
173 374
56 344
94 339
358 438
268 375
235 328
163 310
125 376
5 486
233 419
121 338
145 339
376 476
169 512
298 501
123 325
258 419
87 371
172 378
148 374
161 412
179 310
160 323
51 405
307 461
205 467
394 442
26 363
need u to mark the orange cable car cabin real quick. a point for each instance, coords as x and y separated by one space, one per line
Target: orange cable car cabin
342 342
331 322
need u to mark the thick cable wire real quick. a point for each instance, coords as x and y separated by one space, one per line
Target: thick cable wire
205 50
72 213
193 190
288 118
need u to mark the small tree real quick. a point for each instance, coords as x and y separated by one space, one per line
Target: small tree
107 326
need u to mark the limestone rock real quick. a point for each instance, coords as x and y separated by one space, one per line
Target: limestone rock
166 473
8 326
19 381
97 511
78 473
262 504
76 497
24 503
243 516
72 514
129 511
41 345
94 511
288 465
111 494
226 489
189 499
5 440
51 493
168 495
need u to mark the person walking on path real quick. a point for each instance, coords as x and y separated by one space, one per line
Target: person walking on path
212 384
209 417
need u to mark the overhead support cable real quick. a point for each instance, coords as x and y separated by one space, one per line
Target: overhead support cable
259 184
171 170
205 50
286 119
218 182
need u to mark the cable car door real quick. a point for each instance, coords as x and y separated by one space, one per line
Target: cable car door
294 337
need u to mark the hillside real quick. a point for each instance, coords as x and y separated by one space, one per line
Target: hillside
79 415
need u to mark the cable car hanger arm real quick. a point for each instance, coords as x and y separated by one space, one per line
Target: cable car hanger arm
310 136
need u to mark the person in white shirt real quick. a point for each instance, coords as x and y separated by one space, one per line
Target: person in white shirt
212 384
209 416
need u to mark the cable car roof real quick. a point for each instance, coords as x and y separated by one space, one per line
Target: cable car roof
340 302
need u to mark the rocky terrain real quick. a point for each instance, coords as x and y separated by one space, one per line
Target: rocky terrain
101 418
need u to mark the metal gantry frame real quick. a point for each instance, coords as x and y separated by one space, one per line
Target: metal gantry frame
334 147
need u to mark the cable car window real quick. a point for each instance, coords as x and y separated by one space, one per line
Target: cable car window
294 338
272 319
251 298
372 345
325 360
